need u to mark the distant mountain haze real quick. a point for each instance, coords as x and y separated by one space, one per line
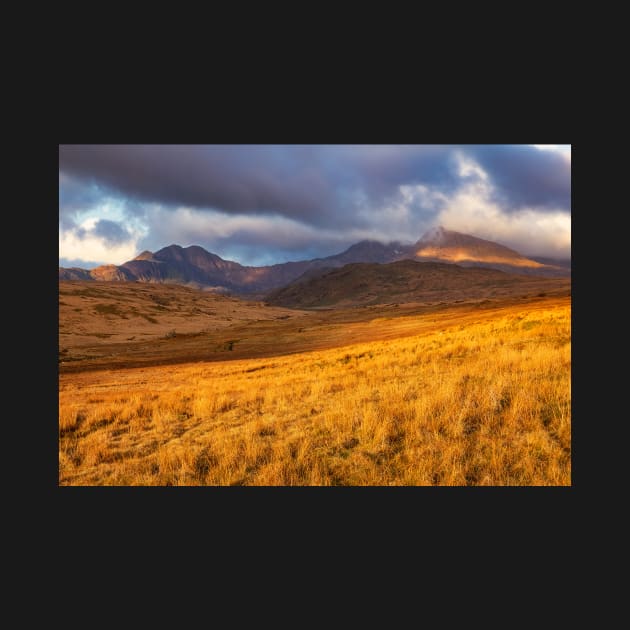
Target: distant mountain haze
194 266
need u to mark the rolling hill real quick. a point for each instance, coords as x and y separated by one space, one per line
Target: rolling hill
362 284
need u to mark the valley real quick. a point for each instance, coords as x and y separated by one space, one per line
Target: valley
118 325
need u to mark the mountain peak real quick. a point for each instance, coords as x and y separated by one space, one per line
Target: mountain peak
445 245
172 247
367 251
435 235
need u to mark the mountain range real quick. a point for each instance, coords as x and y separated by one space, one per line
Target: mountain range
194 266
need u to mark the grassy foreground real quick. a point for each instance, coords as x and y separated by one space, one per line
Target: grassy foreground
487 402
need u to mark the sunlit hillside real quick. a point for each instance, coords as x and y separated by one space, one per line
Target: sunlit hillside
483 402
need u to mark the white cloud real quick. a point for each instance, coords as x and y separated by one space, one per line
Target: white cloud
187 226
563 149
468 167
248 239
78 241
89 223
529 231
403 217
90 248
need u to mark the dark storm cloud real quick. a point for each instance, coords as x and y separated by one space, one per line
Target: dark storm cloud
319 184
235 179
75 194
383 168
111 232
80 194
524 176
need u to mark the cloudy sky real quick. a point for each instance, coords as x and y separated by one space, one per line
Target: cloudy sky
262 204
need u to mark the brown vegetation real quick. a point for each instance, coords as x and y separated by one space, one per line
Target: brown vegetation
96 316
466 394
407 281
116 325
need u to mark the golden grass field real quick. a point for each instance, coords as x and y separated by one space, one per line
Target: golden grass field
473 397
